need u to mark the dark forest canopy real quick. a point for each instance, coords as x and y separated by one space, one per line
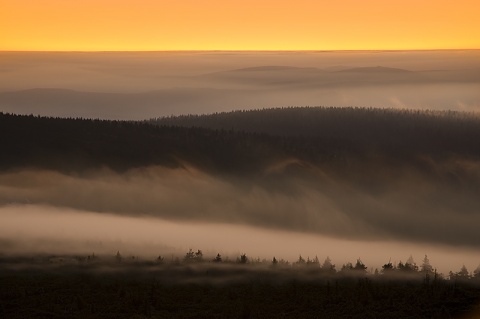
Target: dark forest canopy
241 141
350 134
362 124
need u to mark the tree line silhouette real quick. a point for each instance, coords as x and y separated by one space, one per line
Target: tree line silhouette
395 131
243 141
326 267
120 286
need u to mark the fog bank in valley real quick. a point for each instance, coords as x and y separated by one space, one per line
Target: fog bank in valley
156 210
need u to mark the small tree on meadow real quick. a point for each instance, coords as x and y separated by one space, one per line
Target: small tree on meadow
243 259
192 256
198 256
218 258
189 256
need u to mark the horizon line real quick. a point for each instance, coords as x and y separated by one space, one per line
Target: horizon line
239 50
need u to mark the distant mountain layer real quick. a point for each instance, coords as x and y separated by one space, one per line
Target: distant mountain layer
273 68
253 87
123 106
377 69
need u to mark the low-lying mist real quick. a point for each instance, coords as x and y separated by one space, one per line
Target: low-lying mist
141 85
156 210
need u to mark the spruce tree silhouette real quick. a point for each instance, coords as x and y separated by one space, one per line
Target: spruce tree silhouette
426 267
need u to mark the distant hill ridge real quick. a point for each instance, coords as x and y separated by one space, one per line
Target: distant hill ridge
375 69
241 141
328 121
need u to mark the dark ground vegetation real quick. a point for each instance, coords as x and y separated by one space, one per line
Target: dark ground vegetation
139 289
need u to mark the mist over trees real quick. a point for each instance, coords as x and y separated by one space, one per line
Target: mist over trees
394 166
123 286
242 141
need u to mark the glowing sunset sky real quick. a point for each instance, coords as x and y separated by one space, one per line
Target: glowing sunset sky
91 25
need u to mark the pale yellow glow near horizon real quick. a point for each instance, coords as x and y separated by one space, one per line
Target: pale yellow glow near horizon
125 25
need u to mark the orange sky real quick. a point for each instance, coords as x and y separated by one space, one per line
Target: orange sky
91 25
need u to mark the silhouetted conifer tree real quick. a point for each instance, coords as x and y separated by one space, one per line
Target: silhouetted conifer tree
301 260
426 267
360 266
463 273
347 267
476 272
410 265
327 266
388 267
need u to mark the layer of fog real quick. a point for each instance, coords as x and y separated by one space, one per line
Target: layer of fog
408 208
32 229
133 85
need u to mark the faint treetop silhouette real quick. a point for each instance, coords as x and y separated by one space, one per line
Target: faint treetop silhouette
118 257
313 262
463 273
347 267
199 255
243 259
192 256
410 265
476 272
360 266
218 258
327 265
426 267
300 261
387 267
274 261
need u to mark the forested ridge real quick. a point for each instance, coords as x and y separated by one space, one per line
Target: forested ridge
389 129
77 144
242 141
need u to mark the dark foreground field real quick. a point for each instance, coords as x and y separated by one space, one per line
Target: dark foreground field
209 290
